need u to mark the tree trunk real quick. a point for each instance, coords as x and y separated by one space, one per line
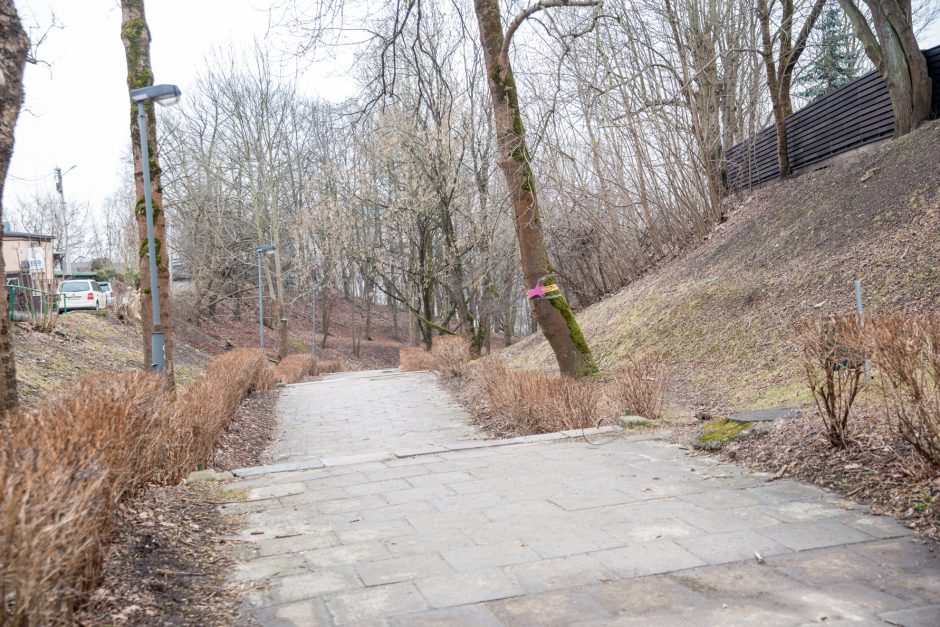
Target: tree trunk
325 318
903 66
367 294
780 74
555 317
136 38
509 321
14 46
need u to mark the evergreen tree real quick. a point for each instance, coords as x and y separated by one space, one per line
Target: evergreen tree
838 56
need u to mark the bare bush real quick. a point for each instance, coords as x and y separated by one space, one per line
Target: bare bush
294 368
415 358
204 408
326 366
66 463
906 351
451 354
833 356
639 385
537 402
297 367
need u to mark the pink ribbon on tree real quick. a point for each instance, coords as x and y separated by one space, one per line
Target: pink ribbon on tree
542 291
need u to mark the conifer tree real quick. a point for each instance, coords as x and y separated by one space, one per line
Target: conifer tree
838 56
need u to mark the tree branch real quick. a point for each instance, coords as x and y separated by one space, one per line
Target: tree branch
532 10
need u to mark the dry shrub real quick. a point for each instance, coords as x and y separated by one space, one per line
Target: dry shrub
204 408
66 463
294 368
326 366
906 350
834 357
451 354
639 385
415 358
537 402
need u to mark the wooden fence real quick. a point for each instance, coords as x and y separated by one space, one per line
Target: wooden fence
855 115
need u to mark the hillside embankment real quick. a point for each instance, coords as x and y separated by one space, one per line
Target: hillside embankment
86 342
724 312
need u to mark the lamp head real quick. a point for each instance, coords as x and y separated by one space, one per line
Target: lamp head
267 249
164 95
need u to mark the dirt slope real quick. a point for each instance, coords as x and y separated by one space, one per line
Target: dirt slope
725 311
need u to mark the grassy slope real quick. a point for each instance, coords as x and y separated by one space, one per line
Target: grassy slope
725 311
84 343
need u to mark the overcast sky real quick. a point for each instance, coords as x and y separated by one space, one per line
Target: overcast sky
77 111
77 108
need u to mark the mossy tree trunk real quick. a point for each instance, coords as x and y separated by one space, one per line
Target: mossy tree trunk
554 316
14 47
136 38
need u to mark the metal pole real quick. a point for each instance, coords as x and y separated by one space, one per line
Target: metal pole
66 267
260 305
156 335
859 307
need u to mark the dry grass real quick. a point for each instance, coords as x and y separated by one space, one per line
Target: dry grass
295 368
451 354
326 366
415 358
66 463
525 402
639 386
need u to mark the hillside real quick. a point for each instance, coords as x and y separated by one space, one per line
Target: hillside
724 312
83 343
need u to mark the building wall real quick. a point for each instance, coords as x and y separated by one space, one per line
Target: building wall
14 255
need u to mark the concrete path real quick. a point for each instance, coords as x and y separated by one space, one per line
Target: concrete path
385 510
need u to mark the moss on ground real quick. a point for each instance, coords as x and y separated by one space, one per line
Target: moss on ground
717 433
228 495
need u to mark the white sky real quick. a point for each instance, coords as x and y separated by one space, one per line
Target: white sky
77 111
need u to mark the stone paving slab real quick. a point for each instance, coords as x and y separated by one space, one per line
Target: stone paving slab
552 531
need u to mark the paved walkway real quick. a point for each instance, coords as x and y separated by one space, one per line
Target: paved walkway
385 510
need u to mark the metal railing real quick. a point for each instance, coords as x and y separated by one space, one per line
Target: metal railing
29 304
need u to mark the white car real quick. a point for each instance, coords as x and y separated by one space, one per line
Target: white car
108 293
81 294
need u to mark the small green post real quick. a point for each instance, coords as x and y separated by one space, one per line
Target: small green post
10 289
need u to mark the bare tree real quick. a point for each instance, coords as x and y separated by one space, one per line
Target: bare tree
14 47
42 212
136 37
780 65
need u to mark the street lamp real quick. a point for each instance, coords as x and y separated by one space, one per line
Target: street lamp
164 95
267 249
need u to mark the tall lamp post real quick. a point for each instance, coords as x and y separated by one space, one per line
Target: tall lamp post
164 95
267 249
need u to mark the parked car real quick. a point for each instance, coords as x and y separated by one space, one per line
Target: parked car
81 294
108 292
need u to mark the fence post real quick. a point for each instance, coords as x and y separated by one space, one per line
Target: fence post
10 289
859 307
